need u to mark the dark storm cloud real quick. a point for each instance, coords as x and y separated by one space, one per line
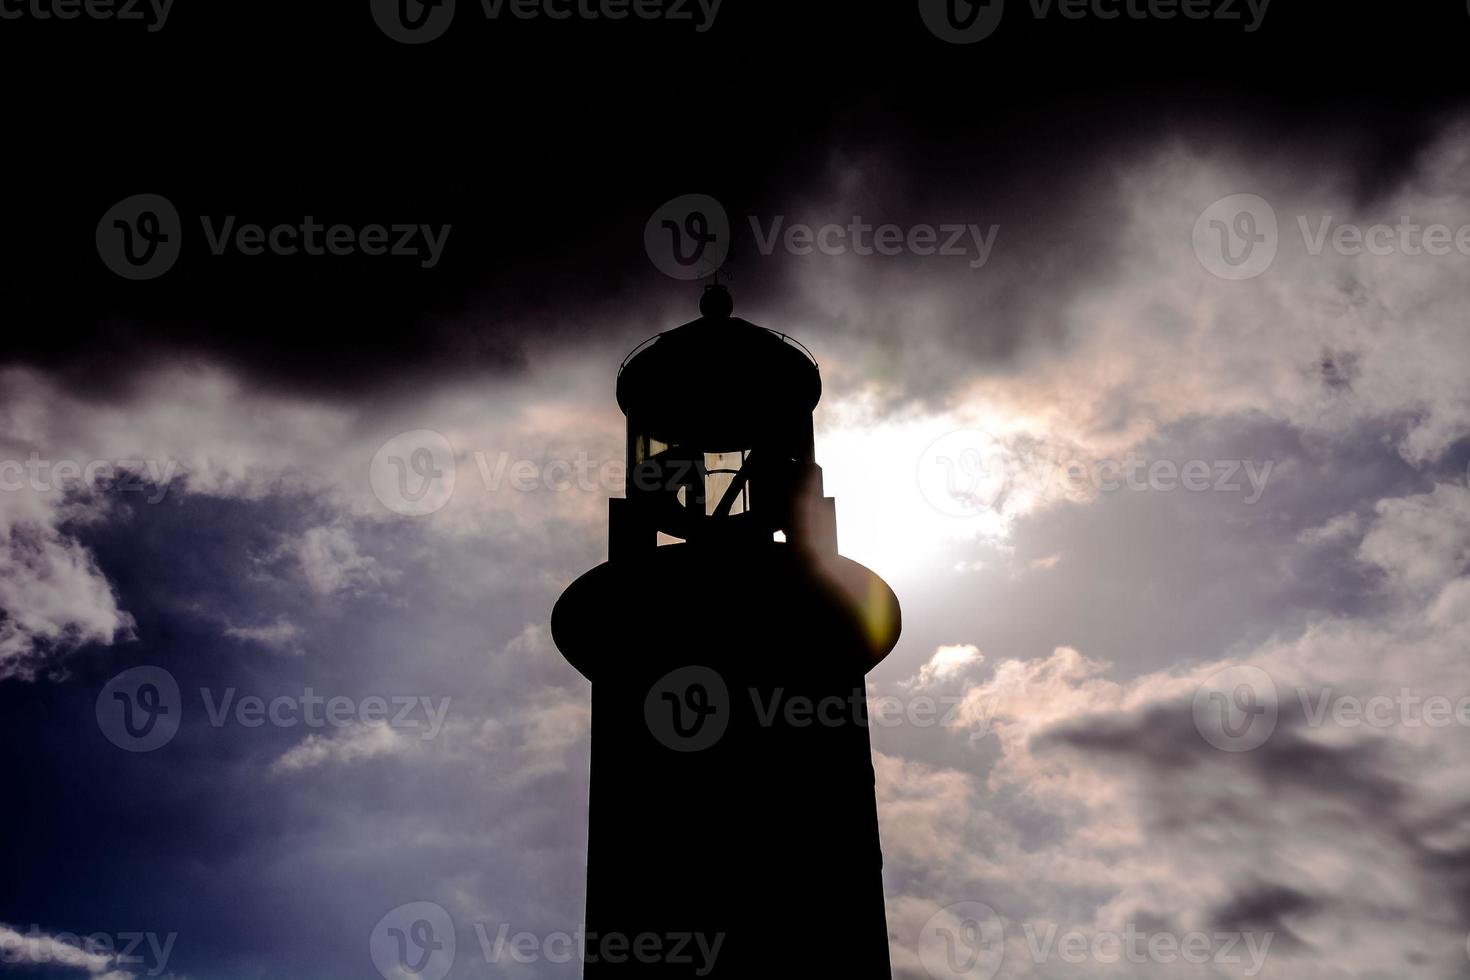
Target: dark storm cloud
547 177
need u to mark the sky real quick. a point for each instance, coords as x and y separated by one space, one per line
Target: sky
1143 348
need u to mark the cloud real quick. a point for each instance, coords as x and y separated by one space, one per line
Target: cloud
52 595
36 948
925 811
178 430
1421 541
280 635
1339 528
348 744
331 563
1094 335
69 459
1071 787
947 662
1322 837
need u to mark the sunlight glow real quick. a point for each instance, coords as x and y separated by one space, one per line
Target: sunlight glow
907 488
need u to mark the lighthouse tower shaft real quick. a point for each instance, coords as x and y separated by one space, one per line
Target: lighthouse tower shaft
733 825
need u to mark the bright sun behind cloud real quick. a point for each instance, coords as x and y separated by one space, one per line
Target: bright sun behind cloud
905 489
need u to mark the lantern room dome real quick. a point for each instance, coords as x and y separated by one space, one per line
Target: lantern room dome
717 379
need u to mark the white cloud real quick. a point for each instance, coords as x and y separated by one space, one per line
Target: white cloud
36 948
52 595
947 662
1424 540
1337 529
280 635
348 744
331 563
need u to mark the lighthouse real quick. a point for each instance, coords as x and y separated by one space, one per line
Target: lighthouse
733 827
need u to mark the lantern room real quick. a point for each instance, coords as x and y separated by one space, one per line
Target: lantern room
719 440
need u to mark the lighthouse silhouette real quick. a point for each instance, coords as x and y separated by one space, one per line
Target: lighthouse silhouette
733 826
